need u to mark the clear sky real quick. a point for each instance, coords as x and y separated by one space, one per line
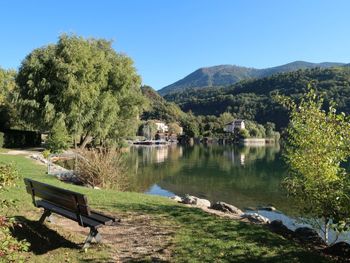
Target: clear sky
169 39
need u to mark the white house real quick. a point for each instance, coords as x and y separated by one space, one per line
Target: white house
234 125
161 126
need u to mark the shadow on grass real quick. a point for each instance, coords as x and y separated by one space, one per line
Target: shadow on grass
41 238
208 238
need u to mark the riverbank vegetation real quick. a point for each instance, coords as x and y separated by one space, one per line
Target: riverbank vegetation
192 235
316 150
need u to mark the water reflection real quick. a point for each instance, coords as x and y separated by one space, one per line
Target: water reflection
243 176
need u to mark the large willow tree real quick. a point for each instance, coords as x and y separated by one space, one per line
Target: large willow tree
84 81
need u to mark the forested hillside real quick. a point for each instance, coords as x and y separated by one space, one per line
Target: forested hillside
253 99
226 75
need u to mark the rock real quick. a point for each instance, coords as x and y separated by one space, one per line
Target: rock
189 200
227 208
268 208
278 227
256 218
309 235
341 249
203 202
192 200
176 198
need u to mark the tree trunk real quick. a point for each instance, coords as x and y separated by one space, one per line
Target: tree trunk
86 140
326 228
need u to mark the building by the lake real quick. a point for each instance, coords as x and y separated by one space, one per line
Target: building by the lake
234 125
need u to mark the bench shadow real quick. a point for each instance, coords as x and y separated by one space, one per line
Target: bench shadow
41 238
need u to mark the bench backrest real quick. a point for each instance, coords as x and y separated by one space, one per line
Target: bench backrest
72 201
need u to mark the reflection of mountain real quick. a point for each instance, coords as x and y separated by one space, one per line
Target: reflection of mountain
216 173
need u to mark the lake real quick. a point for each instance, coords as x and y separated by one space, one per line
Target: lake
246 177
242 176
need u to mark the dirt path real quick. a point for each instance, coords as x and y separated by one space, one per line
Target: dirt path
136 237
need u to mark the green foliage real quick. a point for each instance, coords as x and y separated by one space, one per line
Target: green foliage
58 139
318 143
95 88
46 153
9 117
8 175
149 129
174 128
159 109
9 246
225 75
1 139
254 99
190 126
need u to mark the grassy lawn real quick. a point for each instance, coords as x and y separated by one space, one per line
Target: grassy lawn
196 236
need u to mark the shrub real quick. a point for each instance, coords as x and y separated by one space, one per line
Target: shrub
58 139
8 175
1 139
46 153
102 168
9 246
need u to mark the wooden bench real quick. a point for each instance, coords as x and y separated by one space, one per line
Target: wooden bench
69 204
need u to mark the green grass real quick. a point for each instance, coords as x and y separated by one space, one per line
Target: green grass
199 237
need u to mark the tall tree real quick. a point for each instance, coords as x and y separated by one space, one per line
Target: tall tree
94 88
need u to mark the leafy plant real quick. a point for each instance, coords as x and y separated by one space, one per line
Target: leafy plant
46 153
318 143
1 139
9 246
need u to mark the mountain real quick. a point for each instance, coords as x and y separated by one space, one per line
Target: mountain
253 99
226 75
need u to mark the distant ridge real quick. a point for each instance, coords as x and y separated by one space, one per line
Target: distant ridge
225 75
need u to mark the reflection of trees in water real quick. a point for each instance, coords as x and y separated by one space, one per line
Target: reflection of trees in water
149 165
215 172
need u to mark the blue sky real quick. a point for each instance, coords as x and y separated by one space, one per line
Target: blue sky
169 39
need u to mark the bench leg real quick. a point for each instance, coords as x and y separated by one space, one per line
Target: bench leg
94 234
46 214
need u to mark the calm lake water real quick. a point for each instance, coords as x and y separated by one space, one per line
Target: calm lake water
243 176
246 177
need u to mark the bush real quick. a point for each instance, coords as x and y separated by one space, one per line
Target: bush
102 168
58 139
9 246
8 175
46 153
1 139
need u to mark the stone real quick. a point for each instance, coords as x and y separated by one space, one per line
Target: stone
256 218
189 200
340 249
309 235
278 227
176 198
192 200
227 208
203 202
268 208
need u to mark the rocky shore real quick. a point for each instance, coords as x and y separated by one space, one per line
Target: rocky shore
305 235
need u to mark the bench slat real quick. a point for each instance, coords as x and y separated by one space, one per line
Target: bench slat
106 220
74 201
87 222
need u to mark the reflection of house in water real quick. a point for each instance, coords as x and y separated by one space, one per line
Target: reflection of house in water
161 154
157 154
235 156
